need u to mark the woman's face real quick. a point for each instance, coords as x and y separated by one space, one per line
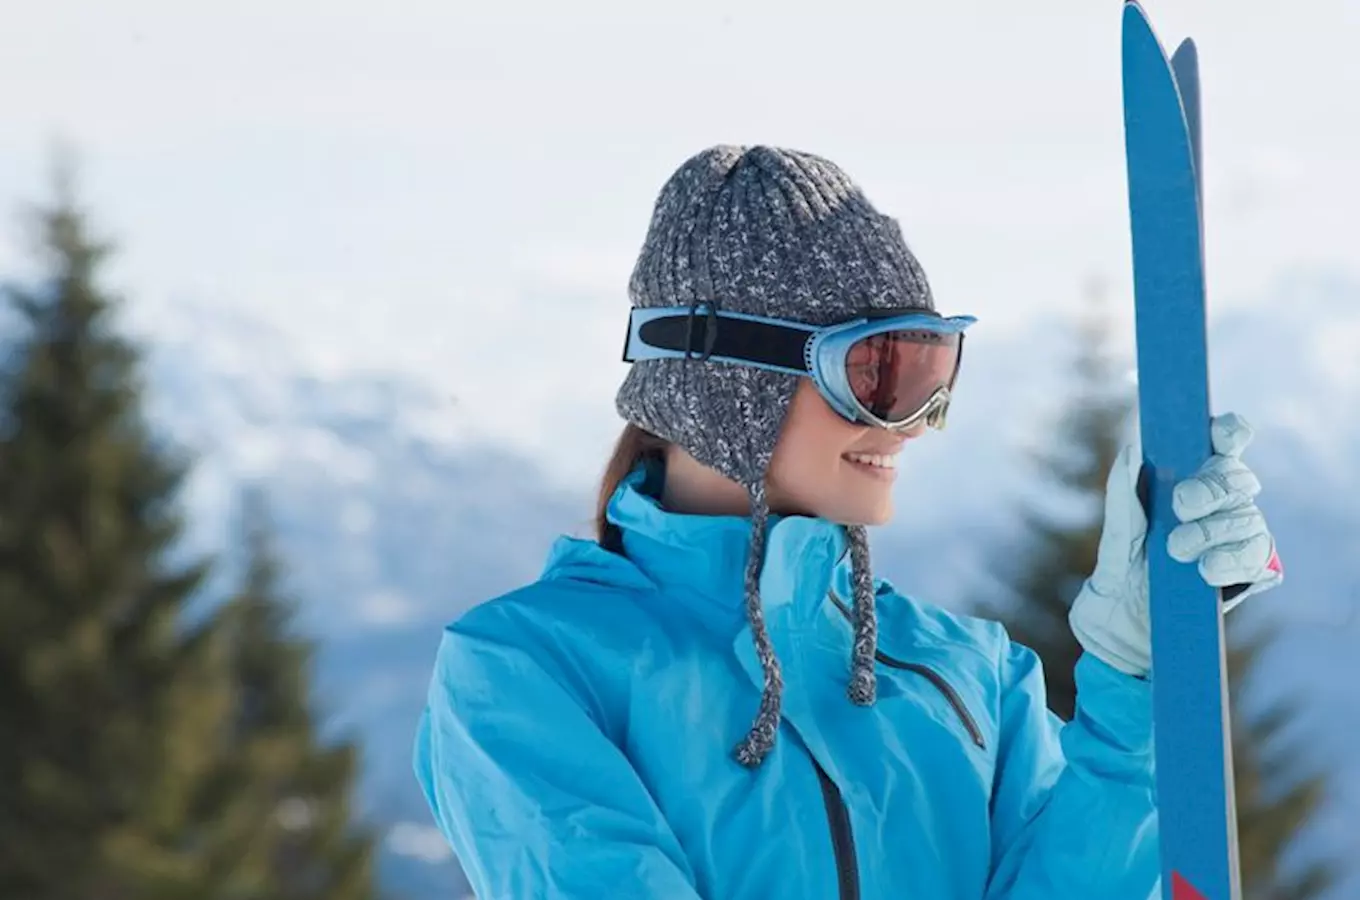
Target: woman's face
827 467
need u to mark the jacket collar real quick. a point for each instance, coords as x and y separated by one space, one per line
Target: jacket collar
707 555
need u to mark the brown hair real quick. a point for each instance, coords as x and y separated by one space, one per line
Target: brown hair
633 446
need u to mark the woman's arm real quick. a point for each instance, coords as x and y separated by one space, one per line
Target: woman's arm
534 798
1073 814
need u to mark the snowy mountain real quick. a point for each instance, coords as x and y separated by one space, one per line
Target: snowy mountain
394 520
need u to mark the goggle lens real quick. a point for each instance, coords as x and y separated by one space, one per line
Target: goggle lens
895 374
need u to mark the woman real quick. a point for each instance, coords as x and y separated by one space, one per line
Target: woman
579 736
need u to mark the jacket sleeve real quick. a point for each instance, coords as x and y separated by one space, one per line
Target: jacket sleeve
534 798
1073 813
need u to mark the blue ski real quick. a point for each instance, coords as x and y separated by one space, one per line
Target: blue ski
1196 808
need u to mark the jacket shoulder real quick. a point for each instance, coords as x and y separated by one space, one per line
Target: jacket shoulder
582 583
558 616
581 631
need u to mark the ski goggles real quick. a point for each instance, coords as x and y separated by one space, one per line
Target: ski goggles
892 369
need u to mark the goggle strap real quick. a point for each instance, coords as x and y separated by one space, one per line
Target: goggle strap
697 335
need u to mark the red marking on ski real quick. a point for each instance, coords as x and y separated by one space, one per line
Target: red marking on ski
1182 889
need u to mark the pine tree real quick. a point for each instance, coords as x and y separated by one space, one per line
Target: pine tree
144 755
110 709
1036 593
285 830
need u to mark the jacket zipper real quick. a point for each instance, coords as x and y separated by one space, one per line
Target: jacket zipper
945 688
842 836
933 676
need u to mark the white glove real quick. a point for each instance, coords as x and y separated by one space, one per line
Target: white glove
1221 527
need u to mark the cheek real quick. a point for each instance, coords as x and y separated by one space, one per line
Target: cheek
811 471
807 462
817 452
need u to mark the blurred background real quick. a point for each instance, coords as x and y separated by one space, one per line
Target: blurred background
367 291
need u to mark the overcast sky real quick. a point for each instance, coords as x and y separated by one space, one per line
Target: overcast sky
458 190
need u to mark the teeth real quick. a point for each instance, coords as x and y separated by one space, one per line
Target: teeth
873 459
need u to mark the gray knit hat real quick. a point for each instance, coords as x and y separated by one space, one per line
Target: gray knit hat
772 232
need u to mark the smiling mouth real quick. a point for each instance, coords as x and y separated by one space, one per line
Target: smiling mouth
887 461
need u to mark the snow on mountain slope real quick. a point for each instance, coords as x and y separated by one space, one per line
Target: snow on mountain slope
395 517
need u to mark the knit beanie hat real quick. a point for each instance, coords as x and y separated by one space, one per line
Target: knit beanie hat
771 232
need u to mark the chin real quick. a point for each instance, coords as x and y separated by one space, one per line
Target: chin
882 517
877 514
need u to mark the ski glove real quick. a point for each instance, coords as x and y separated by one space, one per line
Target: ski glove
1221 528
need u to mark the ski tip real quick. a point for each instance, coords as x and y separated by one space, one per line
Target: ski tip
1134 8
1135 19
1139 39
1187 50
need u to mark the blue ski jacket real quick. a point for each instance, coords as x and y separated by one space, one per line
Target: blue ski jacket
577 741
